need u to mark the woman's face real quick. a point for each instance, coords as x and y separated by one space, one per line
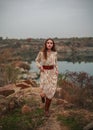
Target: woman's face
49 44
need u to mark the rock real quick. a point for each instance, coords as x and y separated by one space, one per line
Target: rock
64 103
26 109
34 84
22 64
89 126
22 70
25 76
27 84
7 90
11 105
12 96
28 81
34 75
61 102
23 85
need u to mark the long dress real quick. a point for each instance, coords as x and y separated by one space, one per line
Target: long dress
48 78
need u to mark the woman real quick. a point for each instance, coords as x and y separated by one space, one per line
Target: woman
46 61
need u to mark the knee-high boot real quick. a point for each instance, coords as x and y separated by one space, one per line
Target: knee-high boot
47 105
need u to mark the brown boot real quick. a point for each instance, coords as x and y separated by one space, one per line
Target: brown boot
47 105
43 99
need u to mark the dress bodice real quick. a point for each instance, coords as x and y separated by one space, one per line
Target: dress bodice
51 59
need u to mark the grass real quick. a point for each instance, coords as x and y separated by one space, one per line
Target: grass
15 120
71 122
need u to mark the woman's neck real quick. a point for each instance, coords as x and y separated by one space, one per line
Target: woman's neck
49 50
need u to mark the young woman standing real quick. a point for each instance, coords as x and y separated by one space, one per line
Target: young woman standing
46 61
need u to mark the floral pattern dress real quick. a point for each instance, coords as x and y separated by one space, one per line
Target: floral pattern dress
48 78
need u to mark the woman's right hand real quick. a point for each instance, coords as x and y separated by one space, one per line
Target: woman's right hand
41 69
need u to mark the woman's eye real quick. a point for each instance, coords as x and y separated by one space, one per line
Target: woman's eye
49 42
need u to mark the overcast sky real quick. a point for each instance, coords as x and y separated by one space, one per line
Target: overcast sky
46 18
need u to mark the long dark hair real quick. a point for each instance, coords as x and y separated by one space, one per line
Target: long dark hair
45 47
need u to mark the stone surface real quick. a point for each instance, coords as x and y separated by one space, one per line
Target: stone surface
88 126
7 90
26 109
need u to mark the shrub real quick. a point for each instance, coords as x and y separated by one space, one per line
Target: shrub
77 88
71 122
9 74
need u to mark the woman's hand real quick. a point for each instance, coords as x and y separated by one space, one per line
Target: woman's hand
56 72
41 69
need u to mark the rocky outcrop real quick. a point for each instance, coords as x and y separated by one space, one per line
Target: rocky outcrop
13 95
26 84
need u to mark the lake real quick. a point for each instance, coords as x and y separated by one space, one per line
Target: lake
70 66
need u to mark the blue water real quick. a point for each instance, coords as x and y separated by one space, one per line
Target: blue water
64 66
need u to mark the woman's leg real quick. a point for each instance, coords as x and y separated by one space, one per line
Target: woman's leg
47 105
42 96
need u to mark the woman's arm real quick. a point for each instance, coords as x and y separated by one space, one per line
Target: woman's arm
56 64
38 61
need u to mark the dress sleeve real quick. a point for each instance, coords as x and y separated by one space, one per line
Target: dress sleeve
56 64
38 60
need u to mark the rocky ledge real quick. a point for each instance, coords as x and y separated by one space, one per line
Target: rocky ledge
13 95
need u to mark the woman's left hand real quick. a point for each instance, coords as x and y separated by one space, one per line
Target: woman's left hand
56 72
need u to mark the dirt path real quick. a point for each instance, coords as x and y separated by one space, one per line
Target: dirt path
52 123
